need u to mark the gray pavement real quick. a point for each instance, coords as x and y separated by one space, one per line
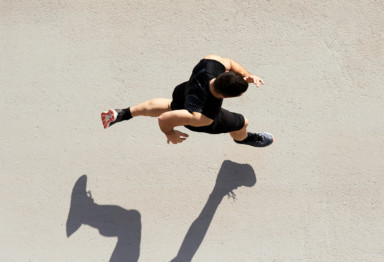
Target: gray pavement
316 194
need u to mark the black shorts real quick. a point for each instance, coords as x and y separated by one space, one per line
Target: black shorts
224 122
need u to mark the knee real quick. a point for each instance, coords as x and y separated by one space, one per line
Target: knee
246 122
135 216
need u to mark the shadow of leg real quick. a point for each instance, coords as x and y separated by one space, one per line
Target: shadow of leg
111 221
127 248
231 176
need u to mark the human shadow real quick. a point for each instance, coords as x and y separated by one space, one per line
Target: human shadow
231 176
111 221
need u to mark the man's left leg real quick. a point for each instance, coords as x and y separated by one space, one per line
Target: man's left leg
154 108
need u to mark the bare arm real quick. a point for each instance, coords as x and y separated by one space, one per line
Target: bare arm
232 65
169 120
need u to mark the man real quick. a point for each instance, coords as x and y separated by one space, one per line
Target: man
196 104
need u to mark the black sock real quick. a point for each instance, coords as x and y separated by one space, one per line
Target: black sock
127 114
245 140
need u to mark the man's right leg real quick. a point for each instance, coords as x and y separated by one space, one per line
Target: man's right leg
236 125
242 136
154 108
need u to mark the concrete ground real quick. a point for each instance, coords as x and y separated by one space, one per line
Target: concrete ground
316 194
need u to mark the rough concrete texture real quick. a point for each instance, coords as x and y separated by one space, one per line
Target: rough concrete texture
316 194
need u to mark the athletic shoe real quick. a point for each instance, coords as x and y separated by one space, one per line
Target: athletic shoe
111 117
257 139
114 116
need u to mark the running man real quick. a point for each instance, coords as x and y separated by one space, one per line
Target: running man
196 104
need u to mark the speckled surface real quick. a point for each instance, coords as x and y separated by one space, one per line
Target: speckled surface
319 188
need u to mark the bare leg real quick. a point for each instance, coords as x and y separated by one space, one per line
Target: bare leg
241 134
154 107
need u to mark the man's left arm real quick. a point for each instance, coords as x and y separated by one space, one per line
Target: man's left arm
171 119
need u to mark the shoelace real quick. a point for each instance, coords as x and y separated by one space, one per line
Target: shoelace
257 137
89 195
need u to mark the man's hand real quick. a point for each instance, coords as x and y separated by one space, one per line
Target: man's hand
252 79
169 120
175 136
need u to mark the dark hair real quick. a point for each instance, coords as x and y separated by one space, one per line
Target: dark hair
230 84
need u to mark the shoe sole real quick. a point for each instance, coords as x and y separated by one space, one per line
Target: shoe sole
108 117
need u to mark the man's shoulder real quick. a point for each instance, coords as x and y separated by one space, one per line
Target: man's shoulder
224 61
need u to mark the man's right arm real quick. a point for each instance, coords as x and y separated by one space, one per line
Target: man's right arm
169 120
232 65
229 64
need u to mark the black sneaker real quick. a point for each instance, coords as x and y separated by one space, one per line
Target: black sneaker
111 117
257 139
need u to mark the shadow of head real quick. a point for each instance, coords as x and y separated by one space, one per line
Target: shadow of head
233 175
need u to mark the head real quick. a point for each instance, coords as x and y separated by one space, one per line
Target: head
230 84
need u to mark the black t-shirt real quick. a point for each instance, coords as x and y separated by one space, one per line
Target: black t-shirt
198 97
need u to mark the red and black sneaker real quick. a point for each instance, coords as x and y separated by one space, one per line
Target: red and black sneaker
109 118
